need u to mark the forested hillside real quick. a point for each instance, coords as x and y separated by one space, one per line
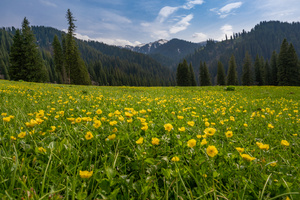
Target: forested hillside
261 41
107 65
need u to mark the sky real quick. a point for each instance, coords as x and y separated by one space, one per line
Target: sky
135 22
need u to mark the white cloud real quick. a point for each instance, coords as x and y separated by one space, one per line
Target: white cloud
227 9
116 42
191 3
182 24
199 37
226 30
48 3
165 12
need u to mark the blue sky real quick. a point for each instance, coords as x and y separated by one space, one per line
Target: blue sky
132 22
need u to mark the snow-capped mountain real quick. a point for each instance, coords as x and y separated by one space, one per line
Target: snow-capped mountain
147 48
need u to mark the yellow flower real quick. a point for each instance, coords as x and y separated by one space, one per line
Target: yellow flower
239 149
128 114
209 131
42 150
121 118
6 119
97 123
168 127
247 157
31 124
273 164
285 143
85 174
264 146
144 128
129 120
3 114
175 159
112 123
22 134
179 117
245 125
155 141
212 151
114 130
99 111
270 126
191 123
112 137
13 138
191 143
53 128
229 134
71 119
78 120
207 124
140 140
89 136
182 129
203 142
199 136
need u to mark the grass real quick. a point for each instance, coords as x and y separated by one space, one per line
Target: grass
77 142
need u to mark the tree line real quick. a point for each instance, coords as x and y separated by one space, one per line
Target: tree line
283 69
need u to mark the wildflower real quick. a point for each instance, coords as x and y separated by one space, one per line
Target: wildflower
6 119
179 117
247 157
42 150
229 134
204 175
203 142
144 128
191 143
175 159
71 119
53 128
270 126
85 174
89 136
99 111
273 164
78 120
121 118
207 124
3 114
245 125
114 130
264 146
212 151
199 136
112 123
209 131
128 114
285 143
22 134
140 140
13 138
191 123
155 141
182 129
129 120
168 127
97 123
31 124
240 150
112 137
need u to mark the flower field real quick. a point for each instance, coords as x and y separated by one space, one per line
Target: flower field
77 142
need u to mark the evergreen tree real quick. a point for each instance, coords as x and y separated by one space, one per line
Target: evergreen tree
3 70
183 77
232 78
247 78
205 79
288 68
262 70
192 74
268 74
257 70
76 70
274 68
221 77
25 58
59 60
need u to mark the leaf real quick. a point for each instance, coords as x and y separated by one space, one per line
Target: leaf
110 172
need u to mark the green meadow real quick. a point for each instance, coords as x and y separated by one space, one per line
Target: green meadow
88 142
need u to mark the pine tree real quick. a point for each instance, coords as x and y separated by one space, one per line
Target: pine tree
59 60
221 77
76 70
268 74
205 79
293 67
232 78
274 68
247 78
25 58
183 77
192 76
257 70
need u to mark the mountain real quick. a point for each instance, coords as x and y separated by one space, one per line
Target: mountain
168 53
262 40
107 65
